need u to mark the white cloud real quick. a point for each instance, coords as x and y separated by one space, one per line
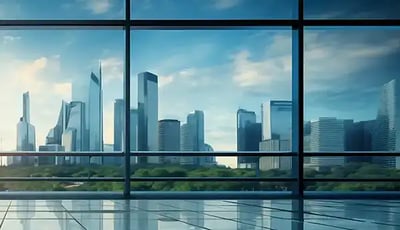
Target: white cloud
225 4
270 75
63 89
165 80
97 6
8 39
112 68
333 57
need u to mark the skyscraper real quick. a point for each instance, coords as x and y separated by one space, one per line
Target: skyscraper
327 135
192 137
147 115
55 134
248 135
169 139
73 137
26 139
388 124
94 116
276 133
277 120
133 133
118 124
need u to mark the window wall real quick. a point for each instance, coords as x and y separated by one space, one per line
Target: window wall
230 96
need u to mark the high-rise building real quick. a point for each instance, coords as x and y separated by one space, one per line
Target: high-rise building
26 139
133 133
276 133
147 115
275 162
327 135
48 160
277 120
192 137
248 135
210 160
54 135
169 139
94 116
73 137
359 137
119 122
388 124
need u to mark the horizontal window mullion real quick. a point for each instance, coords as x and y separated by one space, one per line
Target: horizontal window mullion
68 179
217 154
351 22
350 154
75 154
213 179
81 24
382 179
208 24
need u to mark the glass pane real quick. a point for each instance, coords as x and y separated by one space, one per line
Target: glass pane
211 186
61 186
62 9
352 168
352 9
214 9
60 96
352 186
351 90
176 83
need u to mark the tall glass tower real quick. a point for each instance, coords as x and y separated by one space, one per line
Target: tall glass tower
118 124
276 133
248 135
148 115
73 137
387 135
94 116
26 139
192 137
169 139
133 129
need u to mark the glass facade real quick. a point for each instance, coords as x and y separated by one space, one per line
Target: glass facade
172 67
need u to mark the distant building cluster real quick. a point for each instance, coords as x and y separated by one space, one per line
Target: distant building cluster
79 128
326 134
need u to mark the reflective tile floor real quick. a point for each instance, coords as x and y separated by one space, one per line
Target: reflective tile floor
199 214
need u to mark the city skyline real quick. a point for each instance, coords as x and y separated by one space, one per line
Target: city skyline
252 65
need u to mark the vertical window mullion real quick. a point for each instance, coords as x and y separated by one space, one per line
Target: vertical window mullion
127 147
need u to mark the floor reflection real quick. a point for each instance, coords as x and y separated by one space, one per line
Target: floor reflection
200 214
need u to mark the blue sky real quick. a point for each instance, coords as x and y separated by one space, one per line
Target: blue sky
216 71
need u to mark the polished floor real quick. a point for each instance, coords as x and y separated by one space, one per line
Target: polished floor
199 214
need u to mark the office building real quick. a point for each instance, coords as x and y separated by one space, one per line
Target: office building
388 124
119 122
327 135
248 136
275 162
147 115
276 133
359 137
48 160
169 139
133 133
192 137
94 116
73 137
26 137
54 135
